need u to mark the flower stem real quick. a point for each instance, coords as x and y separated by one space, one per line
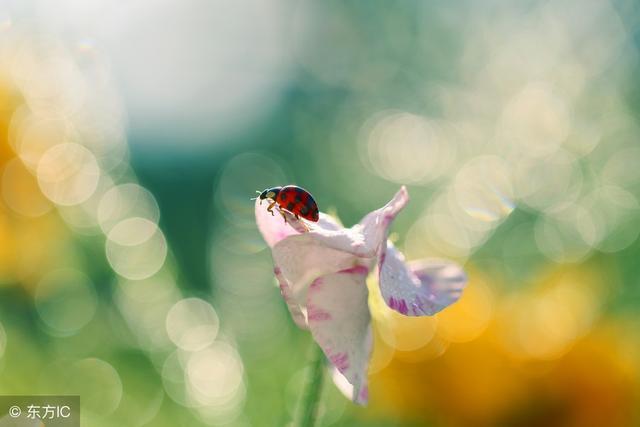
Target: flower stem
312 389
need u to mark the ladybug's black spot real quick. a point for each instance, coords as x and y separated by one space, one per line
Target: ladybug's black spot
304 210
283 195
311 205
290 206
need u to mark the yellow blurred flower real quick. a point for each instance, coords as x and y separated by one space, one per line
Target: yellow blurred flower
32 237
535 357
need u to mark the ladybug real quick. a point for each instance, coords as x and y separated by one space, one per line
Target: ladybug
293 199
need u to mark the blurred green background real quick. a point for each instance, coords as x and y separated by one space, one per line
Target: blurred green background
133 135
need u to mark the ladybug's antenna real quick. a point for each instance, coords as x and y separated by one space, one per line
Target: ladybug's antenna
255 198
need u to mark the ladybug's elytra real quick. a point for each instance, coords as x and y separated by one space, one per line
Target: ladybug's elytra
294 199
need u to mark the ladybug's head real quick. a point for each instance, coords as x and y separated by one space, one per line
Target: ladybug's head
270 193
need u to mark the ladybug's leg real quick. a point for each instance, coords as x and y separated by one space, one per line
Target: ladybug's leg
297 217
270 208
283 217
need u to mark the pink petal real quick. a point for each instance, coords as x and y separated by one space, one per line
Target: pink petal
375 225
328 247
339 320
273 227
294 308
303 258
421 288
363 239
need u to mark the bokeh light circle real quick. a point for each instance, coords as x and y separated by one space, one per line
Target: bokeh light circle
614 210
144 304
136 248
483 188
535 121
405 148
31 135
68 174
548 184
174 381
566 237
126 201
95 380
192 324
214 374
621 168
83 217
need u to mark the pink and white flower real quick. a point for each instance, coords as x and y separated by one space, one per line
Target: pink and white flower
322 270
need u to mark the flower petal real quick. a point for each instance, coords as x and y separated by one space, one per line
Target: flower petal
326 222
287 294
421 288
363 240
346 388
328 247
375 225
273 227
303 258
340 322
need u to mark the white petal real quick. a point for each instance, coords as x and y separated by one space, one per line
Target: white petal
421 288
340 322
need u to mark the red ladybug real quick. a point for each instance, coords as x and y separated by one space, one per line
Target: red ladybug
294 199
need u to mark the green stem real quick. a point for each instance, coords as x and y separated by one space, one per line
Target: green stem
312 389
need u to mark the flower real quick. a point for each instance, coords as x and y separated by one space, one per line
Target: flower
322 270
